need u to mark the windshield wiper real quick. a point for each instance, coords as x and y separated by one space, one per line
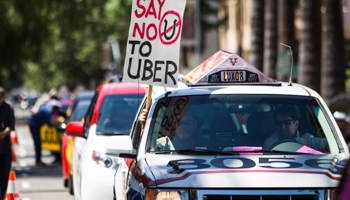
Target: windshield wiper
211 152
270 151
196 151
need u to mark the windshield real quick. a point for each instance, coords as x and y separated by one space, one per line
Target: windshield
117 113
241 124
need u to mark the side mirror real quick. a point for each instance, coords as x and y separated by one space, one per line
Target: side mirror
75 129
120 146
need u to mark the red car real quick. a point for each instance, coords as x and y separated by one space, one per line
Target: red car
76 112
110 115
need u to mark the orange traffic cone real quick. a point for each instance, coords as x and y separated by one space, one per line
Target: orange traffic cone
12 191
11 197
14 138
14 157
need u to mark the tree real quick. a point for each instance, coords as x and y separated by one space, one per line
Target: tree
23 31
270 38
257 49
333 65
309 73
55 42
286 36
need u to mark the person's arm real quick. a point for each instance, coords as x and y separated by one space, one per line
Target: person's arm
5 132
143 117
314 142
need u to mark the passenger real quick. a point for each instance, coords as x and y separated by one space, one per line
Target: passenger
286 120
182 137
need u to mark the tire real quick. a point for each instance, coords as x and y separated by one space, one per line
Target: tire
70 184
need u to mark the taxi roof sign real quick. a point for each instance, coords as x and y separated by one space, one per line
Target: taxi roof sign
226 68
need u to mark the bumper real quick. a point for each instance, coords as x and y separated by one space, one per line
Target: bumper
97 182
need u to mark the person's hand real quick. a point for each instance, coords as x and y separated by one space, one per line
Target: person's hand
4 133
143 117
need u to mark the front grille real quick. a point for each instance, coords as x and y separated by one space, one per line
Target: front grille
260 197
302 194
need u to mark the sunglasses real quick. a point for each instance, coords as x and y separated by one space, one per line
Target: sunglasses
187 122
285 122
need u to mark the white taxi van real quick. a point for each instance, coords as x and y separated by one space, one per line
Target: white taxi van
230 132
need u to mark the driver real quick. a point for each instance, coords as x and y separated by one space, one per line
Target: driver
286 120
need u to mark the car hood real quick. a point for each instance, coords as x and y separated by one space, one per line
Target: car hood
245 171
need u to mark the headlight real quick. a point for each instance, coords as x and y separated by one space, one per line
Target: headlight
104 160
158 194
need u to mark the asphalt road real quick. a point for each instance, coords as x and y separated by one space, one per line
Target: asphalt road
34 182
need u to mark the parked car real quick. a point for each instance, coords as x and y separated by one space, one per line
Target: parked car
75 112
110 115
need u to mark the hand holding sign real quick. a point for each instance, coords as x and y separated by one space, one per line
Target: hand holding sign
152 56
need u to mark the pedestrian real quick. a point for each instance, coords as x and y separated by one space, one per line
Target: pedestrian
44 116
6 125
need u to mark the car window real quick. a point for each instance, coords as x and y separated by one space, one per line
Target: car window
117 113
137 128
90 114
242 123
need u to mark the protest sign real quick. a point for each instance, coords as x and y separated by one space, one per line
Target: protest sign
152 56
172 117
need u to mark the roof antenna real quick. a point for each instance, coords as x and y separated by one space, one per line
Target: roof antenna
291 67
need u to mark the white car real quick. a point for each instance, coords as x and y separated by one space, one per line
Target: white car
246 137
110 115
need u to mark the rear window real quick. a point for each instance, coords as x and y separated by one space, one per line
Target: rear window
241 123
117 113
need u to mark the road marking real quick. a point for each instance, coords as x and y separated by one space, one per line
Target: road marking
25 198
25 185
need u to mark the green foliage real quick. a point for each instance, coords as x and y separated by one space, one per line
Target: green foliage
47 43
53 42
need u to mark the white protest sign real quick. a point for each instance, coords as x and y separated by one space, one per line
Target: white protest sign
172 117
153 47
